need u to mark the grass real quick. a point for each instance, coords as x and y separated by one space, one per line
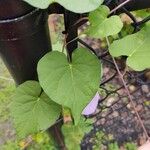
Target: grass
7 88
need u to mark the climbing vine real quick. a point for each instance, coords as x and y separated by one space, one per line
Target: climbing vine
71 83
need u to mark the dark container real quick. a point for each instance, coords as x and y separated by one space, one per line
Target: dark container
136 4
130 6
10 9
24 38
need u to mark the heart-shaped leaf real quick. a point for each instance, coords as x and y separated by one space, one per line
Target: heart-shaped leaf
43 4
72 5
136 46
80 6
101 26
32 110
70 84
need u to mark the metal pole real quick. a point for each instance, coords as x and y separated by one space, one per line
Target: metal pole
24 38
70 19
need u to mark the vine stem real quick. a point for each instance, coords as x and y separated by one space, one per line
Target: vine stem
71 41
60 139
80 20
119 6
129 95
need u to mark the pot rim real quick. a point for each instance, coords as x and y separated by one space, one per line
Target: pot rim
20 18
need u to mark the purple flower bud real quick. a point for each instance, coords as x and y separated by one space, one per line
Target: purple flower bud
92 106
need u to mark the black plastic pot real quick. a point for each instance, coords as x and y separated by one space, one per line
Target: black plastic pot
10 9
23 39
136 4
130 6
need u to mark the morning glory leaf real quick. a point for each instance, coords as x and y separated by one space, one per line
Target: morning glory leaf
32 110
72 84
77 6
101 26
136 47
80 6
43 4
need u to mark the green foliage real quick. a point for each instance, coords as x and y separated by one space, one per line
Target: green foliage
10 145
5 99
68 83
73 134
113 146
130 146
73 84
40 3
142 13
32 110
136 47
40 141
98 140
72 5
43 141
126 30
101 26
101 137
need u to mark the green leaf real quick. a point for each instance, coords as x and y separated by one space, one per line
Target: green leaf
130 146
113 146
32 110
72 5
136 47
73 134
70 84
43 4
101 26
80 6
